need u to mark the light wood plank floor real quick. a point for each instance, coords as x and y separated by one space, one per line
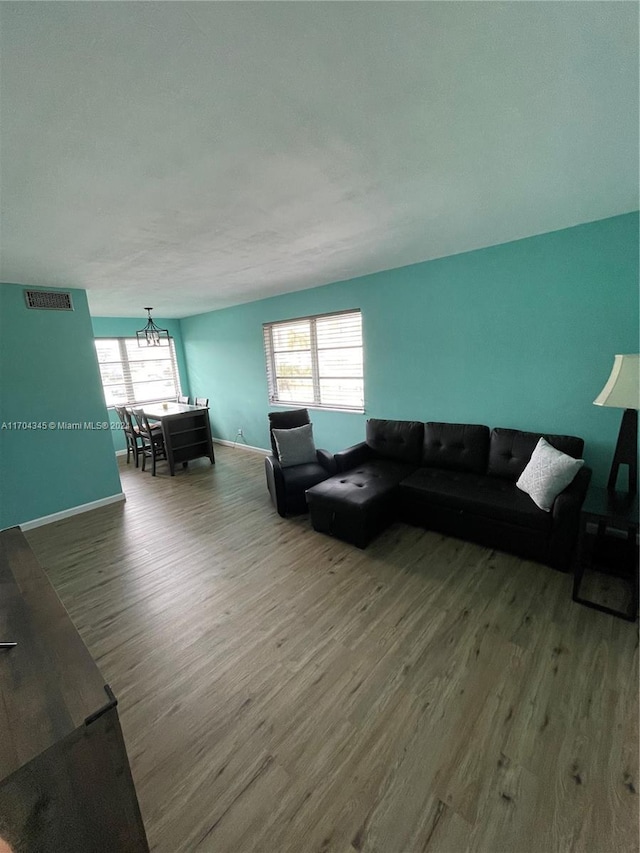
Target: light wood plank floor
282 691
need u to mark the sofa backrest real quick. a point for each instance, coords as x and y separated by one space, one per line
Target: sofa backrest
456 447
399 440
510 450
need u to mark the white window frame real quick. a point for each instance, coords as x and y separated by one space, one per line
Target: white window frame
158 352
270 353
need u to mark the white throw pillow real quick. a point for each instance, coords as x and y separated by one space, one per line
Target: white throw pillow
548 472
295 446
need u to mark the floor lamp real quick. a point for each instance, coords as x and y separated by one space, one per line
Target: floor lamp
622 390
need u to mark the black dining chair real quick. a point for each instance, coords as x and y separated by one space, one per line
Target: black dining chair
152 440
132 438
203 402
183 399
287 485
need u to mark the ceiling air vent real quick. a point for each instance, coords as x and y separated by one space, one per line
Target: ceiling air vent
49 300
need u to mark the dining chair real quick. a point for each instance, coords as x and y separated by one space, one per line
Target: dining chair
152 440
183 399
130 433
203 402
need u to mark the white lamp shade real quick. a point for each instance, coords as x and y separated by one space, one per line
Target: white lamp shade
623 386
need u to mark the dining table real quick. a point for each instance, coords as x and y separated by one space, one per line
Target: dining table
186 431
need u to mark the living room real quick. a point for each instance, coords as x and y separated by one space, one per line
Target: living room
473 193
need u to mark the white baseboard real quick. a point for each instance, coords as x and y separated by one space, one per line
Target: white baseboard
239 446
74 510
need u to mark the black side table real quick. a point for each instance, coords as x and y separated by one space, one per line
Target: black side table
617 511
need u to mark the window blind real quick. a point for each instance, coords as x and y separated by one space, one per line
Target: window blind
316 361
133 375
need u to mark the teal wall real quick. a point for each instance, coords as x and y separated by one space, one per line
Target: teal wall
517 335
49 372
126 327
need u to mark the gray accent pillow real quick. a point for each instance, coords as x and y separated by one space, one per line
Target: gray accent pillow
295 446
547 474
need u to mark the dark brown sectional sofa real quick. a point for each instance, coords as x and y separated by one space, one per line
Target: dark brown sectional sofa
459 479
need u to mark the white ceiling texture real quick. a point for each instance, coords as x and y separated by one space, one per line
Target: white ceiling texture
192 156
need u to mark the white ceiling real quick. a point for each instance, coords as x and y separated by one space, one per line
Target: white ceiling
192 156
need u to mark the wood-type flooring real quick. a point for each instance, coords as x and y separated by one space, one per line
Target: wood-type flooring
283 692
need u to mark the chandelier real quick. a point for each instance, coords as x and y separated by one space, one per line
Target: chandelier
152 335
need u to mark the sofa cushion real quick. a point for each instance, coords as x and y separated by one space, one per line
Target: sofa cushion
301 477
400 440
510 450
456 447
490 497
358 488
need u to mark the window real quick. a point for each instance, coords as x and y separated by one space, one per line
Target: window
134 375
316 361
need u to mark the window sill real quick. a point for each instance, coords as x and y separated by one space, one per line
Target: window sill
313 408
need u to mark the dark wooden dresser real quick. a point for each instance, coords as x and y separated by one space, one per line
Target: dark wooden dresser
65 781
